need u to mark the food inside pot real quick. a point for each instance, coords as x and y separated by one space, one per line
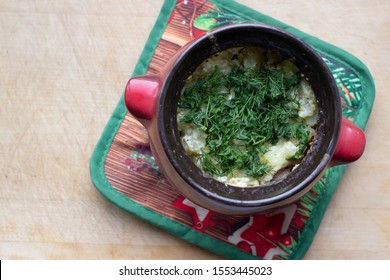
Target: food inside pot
246 116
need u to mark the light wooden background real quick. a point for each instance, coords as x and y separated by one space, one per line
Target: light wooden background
63 67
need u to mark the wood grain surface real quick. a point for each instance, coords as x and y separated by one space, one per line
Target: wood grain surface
63 67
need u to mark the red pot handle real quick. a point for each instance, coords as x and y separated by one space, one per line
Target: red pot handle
350 145
141 96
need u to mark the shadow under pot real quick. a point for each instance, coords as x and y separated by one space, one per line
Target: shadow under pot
153 100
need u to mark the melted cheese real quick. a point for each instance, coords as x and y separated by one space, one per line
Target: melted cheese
278 155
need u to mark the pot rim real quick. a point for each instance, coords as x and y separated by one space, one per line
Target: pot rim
198 182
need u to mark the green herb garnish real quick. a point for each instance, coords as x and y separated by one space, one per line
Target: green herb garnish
242 112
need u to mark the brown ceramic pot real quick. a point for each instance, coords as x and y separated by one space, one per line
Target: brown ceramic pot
153 101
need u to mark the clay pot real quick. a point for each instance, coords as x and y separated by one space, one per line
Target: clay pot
153 101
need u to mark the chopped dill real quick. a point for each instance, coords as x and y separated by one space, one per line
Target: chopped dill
242 112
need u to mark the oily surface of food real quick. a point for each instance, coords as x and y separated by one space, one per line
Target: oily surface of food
245 115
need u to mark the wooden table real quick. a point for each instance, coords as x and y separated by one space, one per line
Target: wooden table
63 68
